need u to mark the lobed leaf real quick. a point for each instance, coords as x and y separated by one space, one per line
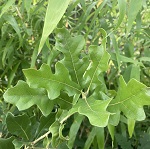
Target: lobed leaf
130 100
71 47
95 110
99 63
24 97
53 83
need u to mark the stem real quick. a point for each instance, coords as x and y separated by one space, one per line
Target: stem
40 138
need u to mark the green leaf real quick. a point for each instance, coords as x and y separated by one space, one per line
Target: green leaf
45 123
90 138
98 63
71 48
53 83
100 136
19 125
122 11
74 130
6 143
27 5
134 8
64 101
95 110
6 7
12 21
54 13
24 97
130 100
131 124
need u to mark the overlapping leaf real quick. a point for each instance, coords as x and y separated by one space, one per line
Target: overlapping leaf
24 97
53 83
99 62
19 125
71 48
130 100
95 110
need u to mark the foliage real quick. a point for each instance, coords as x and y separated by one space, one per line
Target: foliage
74 75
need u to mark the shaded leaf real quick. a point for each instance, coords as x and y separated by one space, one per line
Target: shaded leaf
24 97
74 130
6 143
19 125
45 123
53 83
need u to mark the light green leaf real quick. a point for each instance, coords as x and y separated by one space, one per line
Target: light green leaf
53 83
122 11
71 48
134 8
131 124
19 125
95 110
98 63
130 100
24 97
54 13
6 7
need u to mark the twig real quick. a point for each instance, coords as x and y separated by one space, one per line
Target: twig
40 138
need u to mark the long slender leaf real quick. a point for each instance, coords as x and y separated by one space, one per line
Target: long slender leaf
54 13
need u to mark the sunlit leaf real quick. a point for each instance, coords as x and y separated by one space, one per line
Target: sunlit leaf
94 109
54 13
98 63
130 100
24 97
53 83
71 48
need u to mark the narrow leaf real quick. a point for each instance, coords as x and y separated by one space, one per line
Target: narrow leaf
90 138
74 130
134 8
122 11
54 13
6 7
131 124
